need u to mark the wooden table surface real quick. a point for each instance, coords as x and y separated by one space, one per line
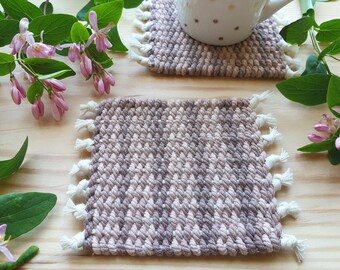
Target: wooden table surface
51 154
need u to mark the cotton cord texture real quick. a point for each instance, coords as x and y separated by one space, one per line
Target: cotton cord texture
182 177
165 48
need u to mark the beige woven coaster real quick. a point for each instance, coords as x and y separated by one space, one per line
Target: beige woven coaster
164 48
183 177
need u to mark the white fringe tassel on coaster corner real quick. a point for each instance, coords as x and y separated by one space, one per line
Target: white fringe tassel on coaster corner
284 209
139 42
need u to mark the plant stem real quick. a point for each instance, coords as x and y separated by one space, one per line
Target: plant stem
25 257
45 6
305 5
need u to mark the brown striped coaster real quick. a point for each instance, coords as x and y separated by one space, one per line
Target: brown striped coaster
182 177
165 48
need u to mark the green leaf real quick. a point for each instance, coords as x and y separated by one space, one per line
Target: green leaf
297 32
333 94
308 90
317 147
34 91
313 65
79 33
19 9
56 74
329 31
100 57
82 13
132 3
56 27
117 44
334 156
332 49
7 64
24 258
49 7
44 66
2 16
24 211
8 29
8 167
108 12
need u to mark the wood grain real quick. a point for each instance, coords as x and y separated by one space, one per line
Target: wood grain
51 154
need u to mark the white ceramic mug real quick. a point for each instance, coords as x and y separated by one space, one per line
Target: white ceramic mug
224 22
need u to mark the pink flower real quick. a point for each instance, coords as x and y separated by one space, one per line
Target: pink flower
38 49
73 52
316 138
337 143
86 66
55 85
17 91
38 109
102 42
4 243
19 39
102 82
58 105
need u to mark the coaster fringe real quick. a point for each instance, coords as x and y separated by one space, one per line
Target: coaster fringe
90 107
143 48
142 26
74 243
256 99
143 15
86 144
280 180
142 37
144 61
78 190
85 123
288 209
78 210
82 167
145 5
271 137
291 243
265 120
273 160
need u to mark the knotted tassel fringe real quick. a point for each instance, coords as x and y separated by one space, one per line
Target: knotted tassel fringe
78 210
75 243
272 160
271 137
257 99
82 167
288 208
265 119
285 179
290 242
85 123
90 107
86 144
78 190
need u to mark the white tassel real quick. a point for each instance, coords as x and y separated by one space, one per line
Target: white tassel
292 208
145 5
257 99
144 27
289 50
291 243
78 210
142 37
78 190
90 107
272 160
86 144
143 15
294 67
144 61
143 48
75 243
265 119
273 136
82 167
85 123
285 179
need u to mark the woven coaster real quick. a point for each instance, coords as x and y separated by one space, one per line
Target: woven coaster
165 48
183 177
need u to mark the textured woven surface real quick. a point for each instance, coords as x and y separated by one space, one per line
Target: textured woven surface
171 51
179 178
